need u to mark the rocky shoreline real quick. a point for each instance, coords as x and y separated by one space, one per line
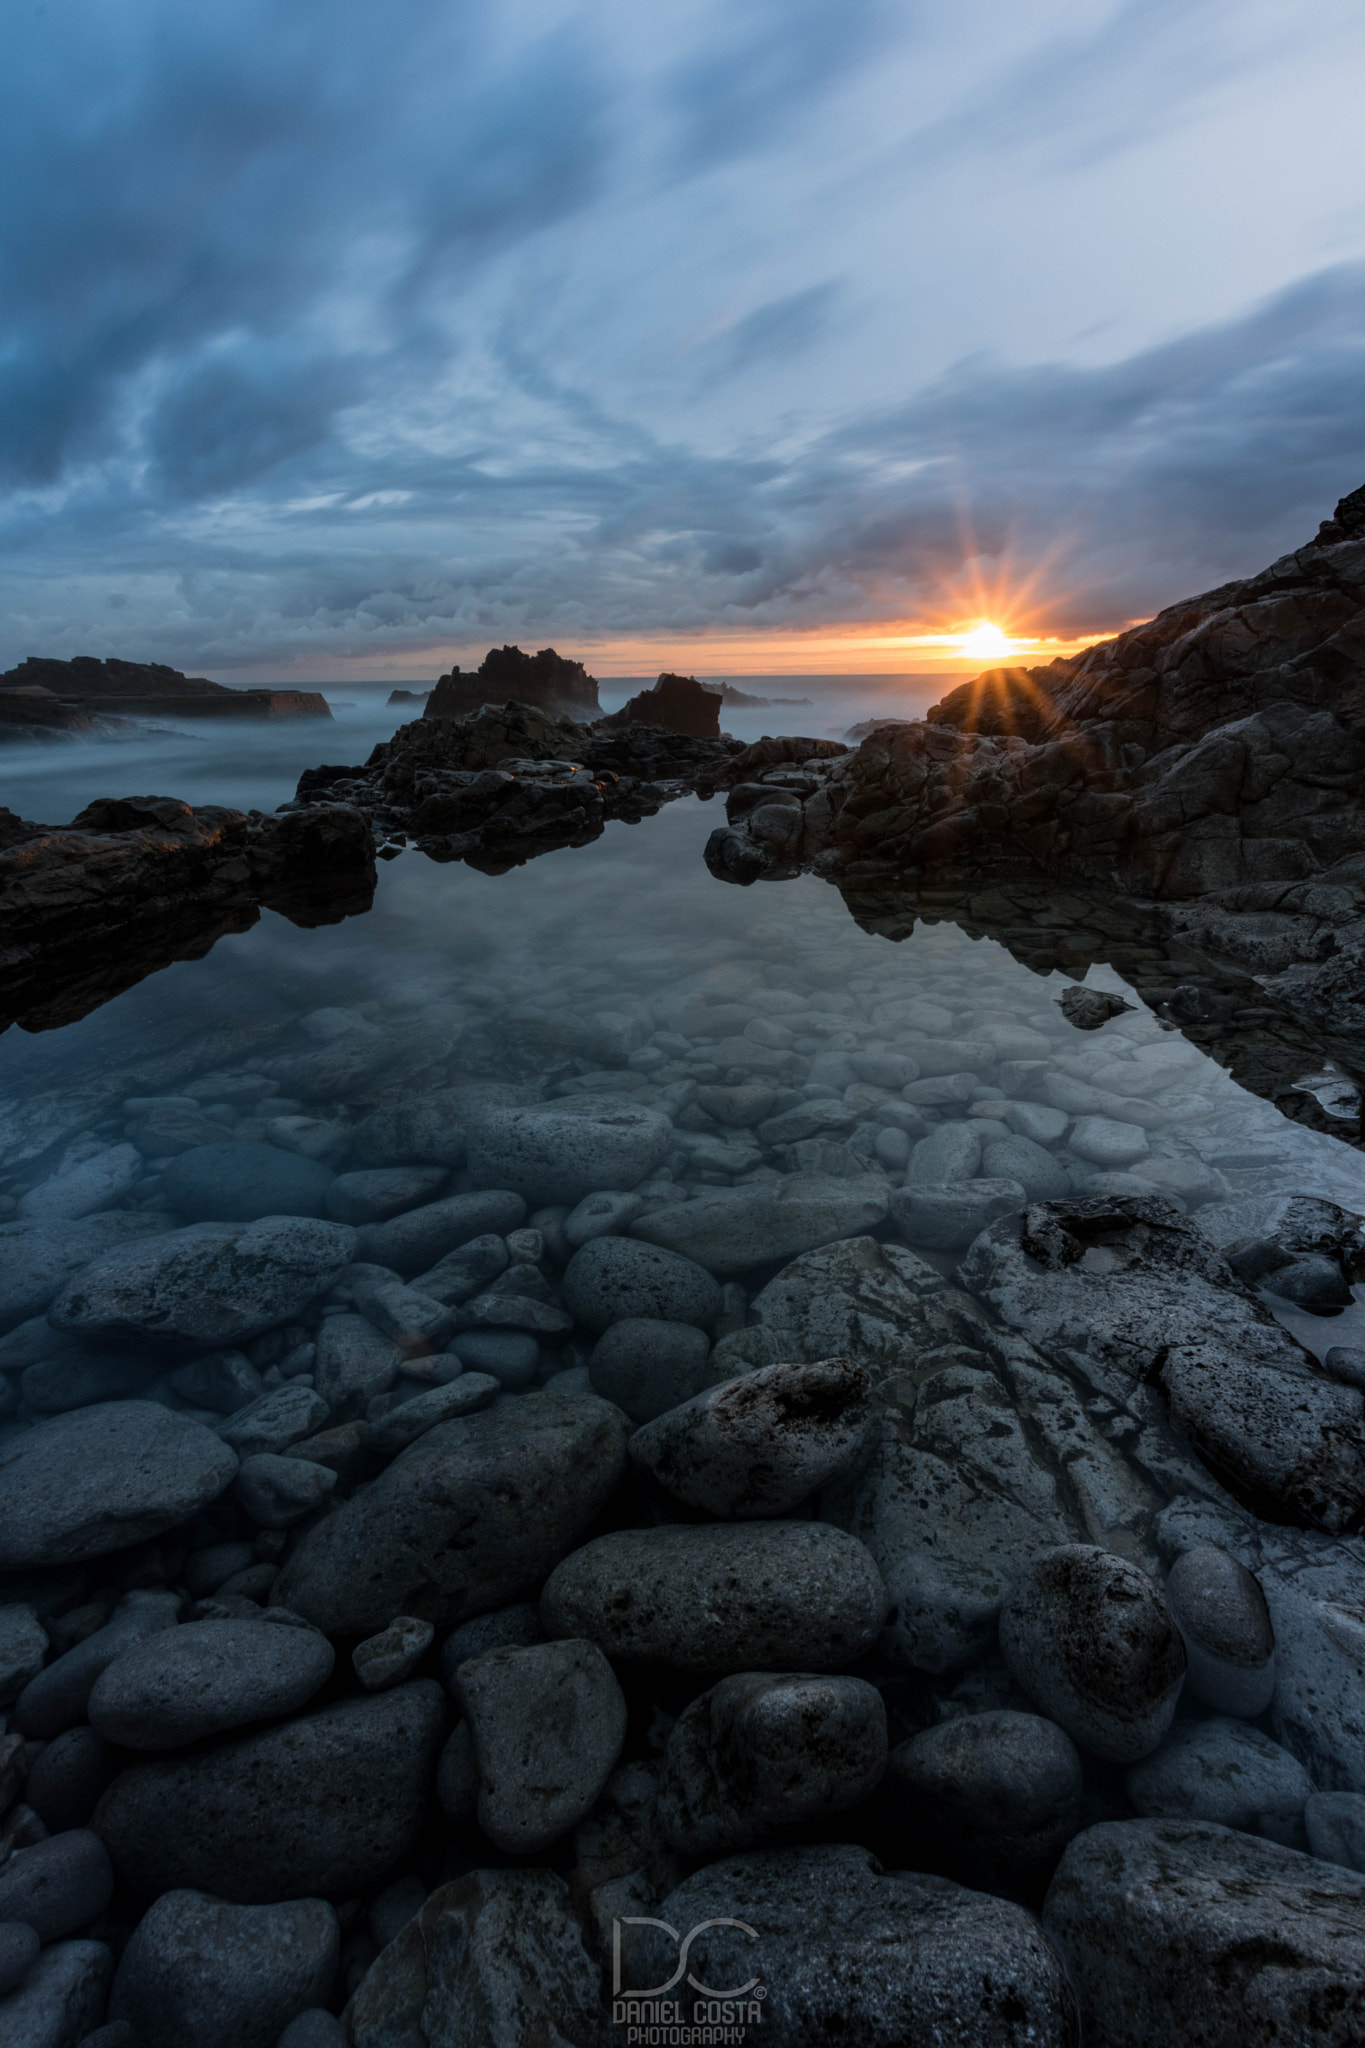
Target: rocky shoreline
719 1442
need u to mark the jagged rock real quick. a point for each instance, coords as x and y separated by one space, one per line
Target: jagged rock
548 681
677 703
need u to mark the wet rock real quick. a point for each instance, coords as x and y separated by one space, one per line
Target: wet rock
38 1258
946 1215
1036 1120
1151 1914
1335 1824
511 1357
1313 1282
761 1444
1347 1364
373 1196
204 1678
420 1238
56 1698
328 1803
401 1426
57 1886
466 1271
721 1597
612 1279
860 1298
729 1230
560 1153
353 1361
469 1518
66 1779
1138 1292
391 1656
850 1952
1088 1008
547 1724
759 1756
496 1957
1222 1615
89 1179
277 1492
211 1284
224 1976
1042 1177
23 1646
83 1375
1092 1642
601 1215
952 1151
275 1420
647 1366
990 1799
225 1380
19 1946
1221 1770
507 1628
97 1479
61 1999
236 1183
1107 1143
425 1128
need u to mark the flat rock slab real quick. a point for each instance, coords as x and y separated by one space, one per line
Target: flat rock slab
327 1804
721 1597
1183 1931
470 1517
99 1478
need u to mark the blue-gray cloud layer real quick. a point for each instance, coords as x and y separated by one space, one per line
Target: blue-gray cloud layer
328 329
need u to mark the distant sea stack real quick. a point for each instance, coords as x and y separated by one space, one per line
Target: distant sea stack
547 681
43 695
678 704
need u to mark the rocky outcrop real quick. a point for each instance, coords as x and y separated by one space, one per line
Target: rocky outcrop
678 704
133 883
547 681
66 695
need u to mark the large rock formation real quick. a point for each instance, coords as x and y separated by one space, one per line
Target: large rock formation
547 681
678 704
44 694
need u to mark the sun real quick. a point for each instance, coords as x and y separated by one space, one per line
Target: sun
986 640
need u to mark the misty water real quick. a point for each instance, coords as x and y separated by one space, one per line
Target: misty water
631 921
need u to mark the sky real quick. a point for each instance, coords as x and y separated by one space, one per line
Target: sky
343 341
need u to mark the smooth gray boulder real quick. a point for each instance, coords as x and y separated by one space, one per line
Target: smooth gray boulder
60 2001
547 1724
989 1799
729 1230
945 1215
1183 1931
494 1960
761 1755
465 1271
606 1214
210 1284
326 1804
83 1375
275 1420
373 1195
57 1886
951 1151
23 1646
470 1517
209 1676
429 1127
1092 1642
236 1183
506 1628
91 1177
424 1237
779 1596
199 1969
1221 1612
511 1357
67 1777
848 1952
1224 1771
1041 1175
56 1698
761 1444
19 1948
353 1362
97 1479
562 1151
38 1258
646 1366
862 1298
277 1492
611 1279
